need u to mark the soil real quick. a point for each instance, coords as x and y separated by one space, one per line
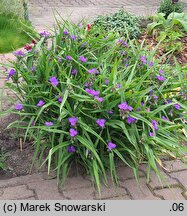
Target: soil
18 161
181 56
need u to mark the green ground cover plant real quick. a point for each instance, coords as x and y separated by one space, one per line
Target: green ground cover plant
14 32
96 99
122 22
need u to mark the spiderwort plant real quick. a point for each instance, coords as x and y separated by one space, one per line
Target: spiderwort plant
90 108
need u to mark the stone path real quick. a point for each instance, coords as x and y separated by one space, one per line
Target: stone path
41 11
40 187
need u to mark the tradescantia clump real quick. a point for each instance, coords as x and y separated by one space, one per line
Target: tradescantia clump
98 100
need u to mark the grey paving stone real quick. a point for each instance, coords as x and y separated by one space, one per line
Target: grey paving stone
170 193
175 165
46 190
110 191
127 173
75 183
181 176
80 194
138 191
17 192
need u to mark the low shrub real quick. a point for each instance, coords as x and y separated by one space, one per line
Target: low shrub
169 6
122 22
97 100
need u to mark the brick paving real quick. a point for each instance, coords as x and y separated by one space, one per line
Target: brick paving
42 16
39 187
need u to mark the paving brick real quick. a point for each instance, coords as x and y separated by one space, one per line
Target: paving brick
46 190
138 191
127 173
154 181
175 165
111 191
181 176
125 197
80 194
170 193
17 192
76 182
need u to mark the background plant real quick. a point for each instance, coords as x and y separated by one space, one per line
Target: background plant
17 7
167 7
95 99
121 22
15 32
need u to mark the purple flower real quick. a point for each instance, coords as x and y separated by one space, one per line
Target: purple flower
167 101
151 64
123 52
99 99
54 81
88 84
59 59
45 34
154 124
123 42
151 134
73 37
164 118
148 109
111 145
125 107
11 73
60 99
101 122
142 103
33 123
73 132
93 71
118 85
177 106
33 69
71 149
68 57
48 124
92 92
110 112
161 71
66 32
82 59
84 44
74 72
106 81
160 78
131 120
143 59
19 106
155 97
138 109
151 93
19 53
126 65
40 103
73 121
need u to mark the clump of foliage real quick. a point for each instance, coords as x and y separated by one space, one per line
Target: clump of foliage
170 30
14 32
97 100
15 7
122 22
169 6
